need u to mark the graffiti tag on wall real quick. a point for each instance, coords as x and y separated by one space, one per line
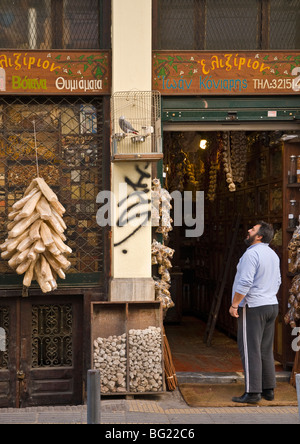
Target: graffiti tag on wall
135 207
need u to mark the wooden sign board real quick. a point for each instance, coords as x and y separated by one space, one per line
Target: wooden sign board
226 73
55 72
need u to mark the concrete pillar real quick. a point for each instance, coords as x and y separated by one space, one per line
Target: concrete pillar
131 45
131 70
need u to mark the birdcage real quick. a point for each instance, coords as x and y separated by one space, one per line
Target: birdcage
136 125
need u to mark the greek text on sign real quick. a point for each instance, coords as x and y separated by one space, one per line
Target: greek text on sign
43 72
218 73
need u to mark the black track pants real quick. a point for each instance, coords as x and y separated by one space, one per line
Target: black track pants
255 341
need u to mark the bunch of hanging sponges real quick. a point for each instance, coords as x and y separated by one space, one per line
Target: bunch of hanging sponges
35 244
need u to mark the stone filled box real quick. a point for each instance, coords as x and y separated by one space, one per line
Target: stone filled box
127 347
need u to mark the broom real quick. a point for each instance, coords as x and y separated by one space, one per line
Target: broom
171 378
296 369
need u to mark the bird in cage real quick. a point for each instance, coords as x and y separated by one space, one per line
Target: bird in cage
126 126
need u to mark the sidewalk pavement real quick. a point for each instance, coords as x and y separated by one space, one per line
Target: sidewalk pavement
168 408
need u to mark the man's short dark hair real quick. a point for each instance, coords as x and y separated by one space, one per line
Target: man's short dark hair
266 231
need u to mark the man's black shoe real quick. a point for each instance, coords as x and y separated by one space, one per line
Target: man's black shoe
247 398
268 394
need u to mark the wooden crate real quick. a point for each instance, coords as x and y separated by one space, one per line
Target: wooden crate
117 318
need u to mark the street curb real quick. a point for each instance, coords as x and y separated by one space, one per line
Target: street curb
221 378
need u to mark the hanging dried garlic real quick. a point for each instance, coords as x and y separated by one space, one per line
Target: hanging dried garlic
188 170
212 181
292 317
226 156
35 243
238 152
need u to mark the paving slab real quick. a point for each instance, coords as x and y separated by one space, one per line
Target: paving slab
168 408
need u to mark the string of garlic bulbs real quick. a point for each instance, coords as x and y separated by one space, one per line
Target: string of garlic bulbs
212 181
238 155
226 156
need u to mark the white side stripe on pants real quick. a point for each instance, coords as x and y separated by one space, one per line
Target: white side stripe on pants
246 349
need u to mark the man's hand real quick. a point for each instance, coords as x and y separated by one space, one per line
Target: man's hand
233 312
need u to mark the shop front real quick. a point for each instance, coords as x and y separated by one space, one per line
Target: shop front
53 107
231 125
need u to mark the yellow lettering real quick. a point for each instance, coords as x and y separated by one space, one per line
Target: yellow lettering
31 62
214 63
203 67
4 60
228 64
241 63
264 67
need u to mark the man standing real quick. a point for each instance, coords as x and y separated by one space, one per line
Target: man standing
255 304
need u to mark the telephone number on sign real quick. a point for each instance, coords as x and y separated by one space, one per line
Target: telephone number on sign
276 84
288 83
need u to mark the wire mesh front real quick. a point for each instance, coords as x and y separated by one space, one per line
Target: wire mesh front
231 25
284 24
50 24
136 122
69 147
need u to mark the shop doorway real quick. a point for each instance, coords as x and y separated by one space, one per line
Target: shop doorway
41 362
257 164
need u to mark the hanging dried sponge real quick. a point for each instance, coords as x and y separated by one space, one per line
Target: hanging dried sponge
35 243
161 255
161 206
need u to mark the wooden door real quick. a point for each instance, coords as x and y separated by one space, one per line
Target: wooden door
8 355
43 364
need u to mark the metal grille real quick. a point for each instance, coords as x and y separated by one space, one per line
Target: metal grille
284 24
210 24
176 24
4 323
81 19
52 344
69 146
231 25
49 24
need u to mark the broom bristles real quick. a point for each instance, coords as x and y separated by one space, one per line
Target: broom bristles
171 378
